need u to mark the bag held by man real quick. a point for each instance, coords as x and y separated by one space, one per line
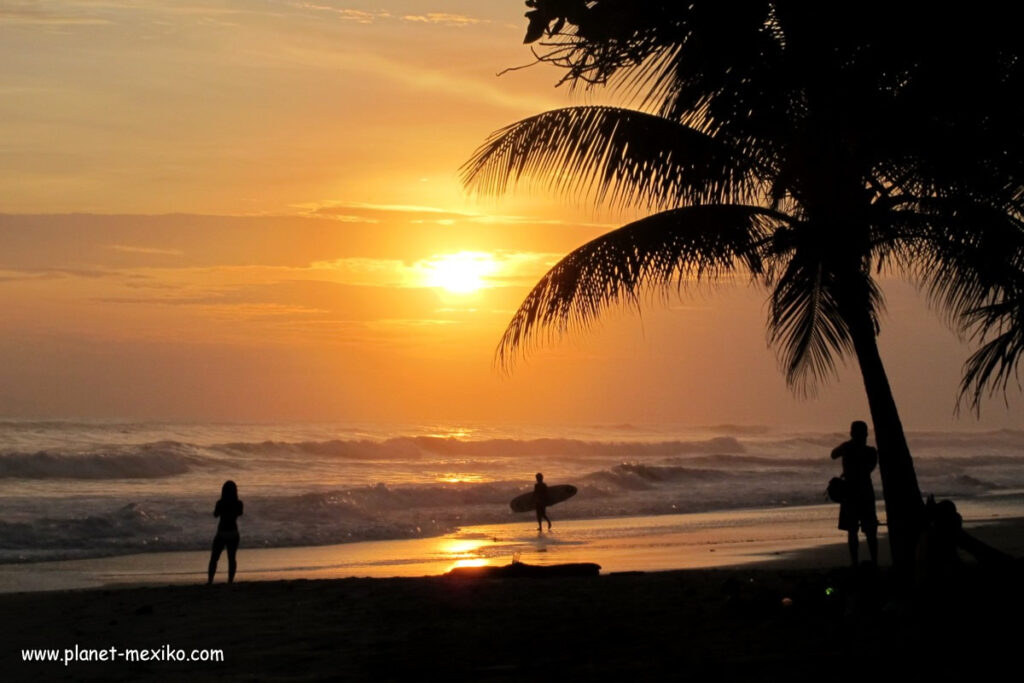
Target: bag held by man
836 489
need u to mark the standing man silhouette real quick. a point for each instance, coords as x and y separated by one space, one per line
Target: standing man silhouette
540 499
858 506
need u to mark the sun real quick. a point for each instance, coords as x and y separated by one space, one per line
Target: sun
460 273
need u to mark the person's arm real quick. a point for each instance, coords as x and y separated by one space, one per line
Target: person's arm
837 452
216 509
240 506
872 459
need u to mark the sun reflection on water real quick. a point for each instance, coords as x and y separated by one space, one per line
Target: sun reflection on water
458 548
451 433
461 478
463 552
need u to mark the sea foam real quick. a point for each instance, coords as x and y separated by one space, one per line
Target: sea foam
81 489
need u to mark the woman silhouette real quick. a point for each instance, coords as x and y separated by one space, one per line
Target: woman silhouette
229 509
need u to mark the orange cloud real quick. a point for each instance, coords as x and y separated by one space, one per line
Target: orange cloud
444 19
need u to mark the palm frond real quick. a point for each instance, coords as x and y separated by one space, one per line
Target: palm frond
671 56
620 156
808 316
996 362
966 252
959 250
697 242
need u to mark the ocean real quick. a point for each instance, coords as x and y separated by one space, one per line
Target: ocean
85 489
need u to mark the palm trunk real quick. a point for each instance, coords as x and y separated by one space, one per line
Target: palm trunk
903 505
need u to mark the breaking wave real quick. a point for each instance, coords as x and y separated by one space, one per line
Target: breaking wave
78 490
148 461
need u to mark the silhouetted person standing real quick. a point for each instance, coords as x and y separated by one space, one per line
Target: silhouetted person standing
858 506
229 509
540 499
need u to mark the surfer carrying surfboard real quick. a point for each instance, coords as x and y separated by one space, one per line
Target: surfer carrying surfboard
540 499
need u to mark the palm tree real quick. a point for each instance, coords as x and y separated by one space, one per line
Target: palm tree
809 160
1000 325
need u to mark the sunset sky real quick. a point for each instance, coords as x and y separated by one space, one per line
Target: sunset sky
250 210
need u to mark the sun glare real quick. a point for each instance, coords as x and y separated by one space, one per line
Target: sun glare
480 562
461 273
459 478
460 548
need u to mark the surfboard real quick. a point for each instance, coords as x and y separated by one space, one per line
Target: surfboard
556 494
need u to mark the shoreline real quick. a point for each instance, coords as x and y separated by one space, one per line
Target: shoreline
794 537
661 542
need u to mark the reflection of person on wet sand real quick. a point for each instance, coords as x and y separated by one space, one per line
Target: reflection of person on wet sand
540 499
229 509
858 506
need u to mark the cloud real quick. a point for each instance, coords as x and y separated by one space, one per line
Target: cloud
26 274
35 14
362 212
294 308
41 18
444 19
369 272
7 277
359 212
68 13
504 269
362 16
392 323
336 214
129 249
402 207
356 15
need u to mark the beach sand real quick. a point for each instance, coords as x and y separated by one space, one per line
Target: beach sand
800 617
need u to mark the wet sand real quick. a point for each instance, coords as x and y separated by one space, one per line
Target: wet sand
654 543
804 617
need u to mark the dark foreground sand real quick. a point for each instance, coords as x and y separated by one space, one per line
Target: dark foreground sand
699 625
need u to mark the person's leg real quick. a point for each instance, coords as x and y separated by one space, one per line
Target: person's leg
851 541
872 535
540 516
232 564
218 546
